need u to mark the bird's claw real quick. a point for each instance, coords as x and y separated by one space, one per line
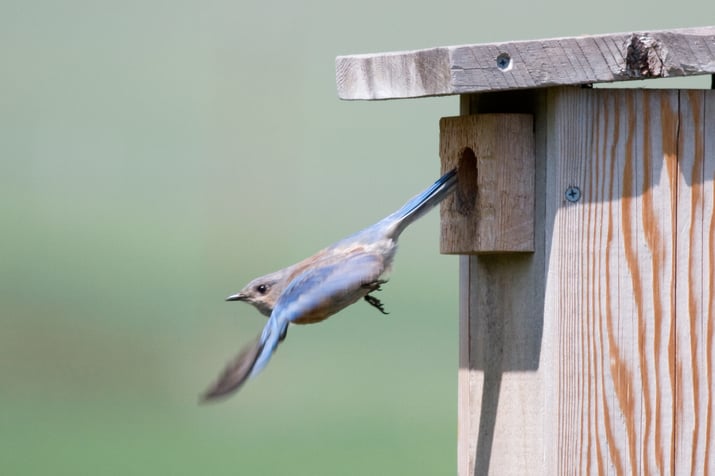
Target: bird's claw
375 302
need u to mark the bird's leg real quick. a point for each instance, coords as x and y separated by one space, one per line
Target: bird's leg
372 300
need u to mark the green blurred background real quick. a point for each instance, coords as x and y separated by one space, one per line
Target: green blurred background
154 157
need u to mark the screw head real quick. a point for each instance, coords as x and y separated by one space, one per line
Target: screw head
504 62
573 194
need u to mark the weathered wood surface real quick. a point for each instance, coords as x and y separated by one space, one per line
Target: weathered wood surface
501 386
623 313
695 293
611 285
493 208
527 64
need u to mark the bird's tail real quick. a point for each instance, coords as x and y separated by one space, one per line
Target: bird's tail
424 202
249 362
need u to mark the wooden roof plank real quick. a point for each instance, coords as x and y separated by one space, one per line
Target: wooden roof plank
502 66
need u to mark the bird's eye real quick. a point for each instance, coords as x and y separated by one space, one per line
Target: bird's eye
262 288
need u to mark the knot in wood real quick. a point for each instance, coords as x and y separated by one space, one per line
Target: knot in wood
644 58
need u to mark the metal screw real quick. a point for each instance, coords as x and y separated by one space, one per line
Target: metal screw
504 62
573 194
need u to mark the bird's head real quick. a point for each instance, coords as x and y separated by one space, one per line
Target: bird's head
262 292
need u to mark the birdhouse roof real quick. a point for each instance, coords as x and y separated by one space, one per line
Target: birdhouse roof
527 64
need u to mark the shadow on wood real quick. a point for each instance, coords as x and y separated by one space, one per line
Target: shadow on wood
596 350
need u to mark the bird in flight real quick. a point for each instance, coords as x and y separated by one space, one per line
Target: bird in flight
323 284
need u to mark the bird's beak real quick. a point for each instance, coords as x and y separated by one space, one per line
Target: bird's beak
236 297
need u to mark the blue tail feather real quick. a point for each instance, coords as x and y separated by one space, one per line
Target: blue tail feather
425 201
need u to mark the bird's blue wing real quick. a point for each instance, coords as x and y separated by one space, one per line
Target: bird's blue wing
329 285
235 373
252 358
317 293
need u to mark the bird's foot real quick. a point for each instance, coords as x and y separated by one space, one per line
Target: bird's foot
375 302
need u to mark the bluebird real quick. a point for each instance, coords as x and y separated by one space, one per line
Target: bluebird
323 284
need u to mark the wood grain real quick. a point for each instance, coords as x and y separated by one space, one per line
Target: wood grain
623 310
694 364
501 325
629 282
492 210
611 282
527 64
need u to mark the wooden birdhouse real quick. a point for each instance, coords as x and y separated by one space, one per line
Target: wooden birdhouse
585 223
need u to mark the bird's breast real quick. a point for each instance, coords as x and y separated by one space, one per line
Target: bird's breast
382 250
330 306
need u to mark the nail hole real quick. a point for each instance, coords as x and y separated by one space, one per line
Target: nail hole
467 176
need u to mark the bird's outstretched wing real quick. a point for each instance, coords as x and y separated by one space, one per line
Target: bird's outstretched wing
235 373
315 294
